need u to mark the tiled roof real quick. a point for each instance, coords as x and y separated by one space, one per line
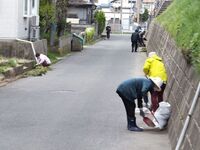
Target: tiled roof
148 1
79 2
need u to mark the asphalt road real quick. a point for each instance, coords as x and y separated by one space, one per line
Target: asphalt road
74 106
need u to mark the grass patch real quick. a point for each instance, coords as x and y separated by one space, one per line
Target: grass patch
143 49
182 21
8 63
4 68
37 71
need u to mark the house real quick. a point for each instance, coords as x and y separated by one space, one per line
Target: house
19 22
19 19
149 5
81 10
80 14
119 19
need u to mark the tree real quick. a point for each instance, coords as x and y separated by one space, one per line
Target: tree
144 17
61 15
100 18
47 17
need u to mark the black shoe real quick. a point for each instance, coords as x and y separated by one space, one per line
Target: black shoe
136 129
132 125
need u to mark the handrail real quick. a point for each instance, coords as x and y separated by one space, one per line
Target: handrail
32 46
187 121
158 6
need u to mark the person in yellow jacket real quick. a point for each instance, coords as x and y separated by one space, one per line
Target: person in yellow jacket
154 67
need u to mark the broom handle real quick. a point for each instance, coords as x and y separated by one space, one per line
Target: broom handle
154 116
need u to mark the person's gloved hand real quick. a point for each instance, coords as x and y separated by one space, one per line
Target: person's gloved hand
147 105
142 112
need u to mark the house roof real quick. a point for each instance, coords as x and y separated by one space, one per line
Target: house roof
80 3
148 1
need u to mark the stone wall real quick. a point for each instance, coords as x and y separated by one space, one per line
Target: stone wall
41 46
181 87
65 44
21 49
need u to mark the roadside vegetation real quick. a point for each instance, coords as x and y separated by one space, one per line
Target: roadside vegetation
9 63
182 21
53 24
100 19
40 70
37 71
89 35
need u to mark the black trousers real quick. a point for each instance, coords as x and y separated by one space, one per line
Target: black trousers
134 46
108 35
129 106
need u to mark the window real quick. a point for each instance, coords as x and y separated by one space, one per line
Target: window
33 3
25 8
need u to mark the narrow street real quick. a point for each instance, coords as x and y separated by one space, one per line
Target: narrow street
75 106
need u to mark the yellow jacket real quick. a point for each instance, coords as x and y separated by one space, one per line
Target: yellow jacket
154 67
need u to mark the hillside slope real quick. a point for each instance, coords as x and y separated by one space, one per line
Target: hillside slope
182 21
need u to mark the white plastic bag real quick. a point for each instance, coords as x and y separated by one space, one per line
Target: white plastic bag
162 115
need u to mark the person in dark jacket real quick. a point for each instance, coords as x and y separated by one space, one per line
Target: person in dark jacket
135 40
141 38
136 88
108 30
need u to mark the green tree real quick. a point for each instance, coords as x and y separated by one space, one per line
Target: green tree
100 18
47 17
144 17
61 15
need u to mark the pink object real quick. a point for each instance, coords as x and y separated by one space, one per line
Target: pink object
148 122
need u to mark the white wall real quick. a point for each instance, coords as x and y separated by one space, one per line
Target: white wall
13 24
81 13
8 19
22 23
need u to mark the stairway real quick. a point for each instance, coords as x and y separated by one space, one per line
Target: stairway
163 7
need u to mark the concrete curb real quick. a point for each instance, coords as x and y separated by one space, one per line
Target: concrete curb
15 73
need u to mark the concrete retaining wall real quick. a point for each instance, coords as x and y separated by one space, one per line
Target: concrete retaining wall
21 49
65 44
181 87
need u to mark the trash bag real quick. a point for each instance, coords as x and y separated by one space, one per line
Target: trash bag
162 115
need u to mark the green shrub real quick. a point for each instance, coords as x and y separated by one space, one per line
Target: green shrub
12 62
47 18
89 34
3 69
101 20
38 71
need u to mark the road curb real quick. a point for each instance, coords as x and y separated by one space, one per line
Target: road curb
15 73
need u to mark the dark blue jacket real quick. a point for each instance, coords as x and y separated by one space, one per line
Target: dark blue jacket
135 37
136 88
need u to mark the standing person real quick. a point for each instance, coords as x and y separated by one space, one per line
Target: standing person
134 40
108 30
141 38
42 60
132 89
154 67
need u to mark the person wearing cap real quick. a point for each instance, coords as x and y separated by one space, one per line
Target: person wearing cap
108 30
154 67
135 40
42 60
136 89
141 38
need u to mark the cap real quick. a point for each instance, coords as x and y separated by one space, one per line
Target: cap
157 81
151 54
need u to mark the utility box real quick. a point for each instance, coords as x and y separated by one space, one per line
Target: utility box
77 43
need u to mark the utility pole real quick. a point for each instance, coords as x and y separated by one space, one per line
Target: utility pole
138 3
121 16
